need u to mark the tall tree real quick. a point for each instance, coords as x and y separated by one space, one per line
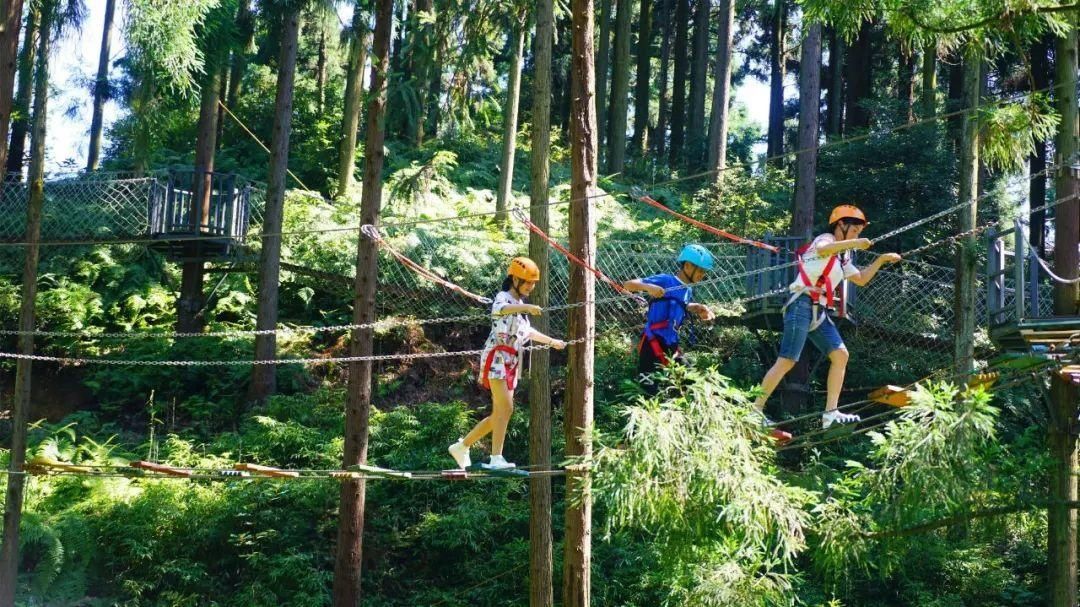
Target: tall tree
678 93
777 28
639 141
13 502
1040 80
347 563
10 17
620 88
835 102
966 255
928 89
101 88
859 62
802 219
359 35
659 139
577 557
905 83
510 117
263 376
21 114
699 68
245 31
541 593
718 124
603 54
1062 519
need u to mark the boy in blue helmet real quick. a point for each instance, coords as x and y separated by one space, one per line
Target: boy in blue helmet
670 301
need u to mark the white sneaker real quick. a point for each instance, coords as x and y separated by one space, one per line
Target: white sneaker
460 453
497 462
837 417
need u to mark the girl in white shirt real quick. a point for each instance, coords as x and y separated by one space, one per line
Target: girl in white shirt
499 362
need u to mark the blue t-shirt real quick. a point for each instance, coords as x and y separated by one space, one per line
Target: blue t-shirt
667 309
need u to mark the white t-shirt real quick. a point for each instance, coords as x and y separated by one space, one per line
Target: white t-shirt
510 329
814 265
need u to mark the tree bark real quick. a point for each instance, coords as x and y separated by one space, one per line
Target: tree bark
10 19
354 98
16 481
577 557
905 84
928 92
347 572
777 58
966 253
101 89
510 118
423 70
620 88
541 562
264 377
718 124
639 142
860 79
21 122
678 94
699 68
835 103
320 72
659 139
1062 527
603 54
802 219
1040 70
245 24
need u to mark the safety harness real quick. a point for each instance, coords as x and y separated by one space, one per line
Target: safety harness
510 367
820 292
649 335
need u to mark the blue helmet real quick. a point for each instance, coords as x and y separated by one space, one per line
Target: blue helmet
697 255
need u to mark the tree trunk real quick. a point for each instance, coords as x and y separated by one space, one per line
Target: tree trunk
434 92
10 19
423 72
802 219
905 84
860 79
101 88
141 108
16 481
1040 69
620 88
263 377
1062 527
777 58
320 72
966 253
510 118
603 54
699 68
835 102
928 92
660 137
541 564
678 94
21 122
245 24
956 96
718 124
354 98
640 141
348 560
577 557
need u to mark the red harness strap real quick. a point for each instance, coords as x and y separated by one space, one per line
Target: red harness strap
511 369
654 342
824 285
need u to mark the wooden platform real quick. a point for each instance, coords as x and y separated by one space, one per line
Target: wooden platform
1055 334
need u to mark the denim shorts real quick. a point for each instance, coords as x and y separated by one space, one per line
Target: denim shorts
797 328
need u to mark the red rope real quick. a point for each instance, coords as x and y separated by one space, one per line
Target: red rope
558 247
708 228
422 271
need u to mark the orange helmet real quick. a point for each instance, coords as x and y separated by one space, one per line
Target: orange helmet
847 211
524 268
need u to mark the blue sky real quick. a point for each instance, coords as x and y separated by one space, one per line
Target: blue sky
75 59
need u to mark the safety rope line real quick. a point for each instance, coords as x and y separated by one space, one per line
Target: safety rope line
574 258
1045 266
372 233
639 194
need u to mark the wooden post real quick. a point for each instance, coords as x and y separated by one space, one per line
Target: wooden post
9 544
1062 521
264 377
577 557
541 593
350 533
966 255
